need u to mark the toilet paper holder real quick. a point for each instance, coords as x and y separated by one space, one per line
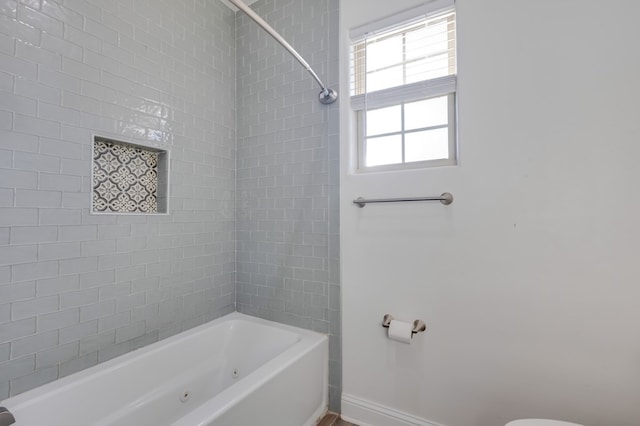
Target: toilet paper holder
418 325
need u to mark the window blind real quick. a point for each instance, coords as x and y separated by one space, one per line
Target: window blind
413 60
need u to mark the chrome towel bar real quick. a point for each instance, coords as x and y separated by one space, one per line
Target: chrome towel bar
445 198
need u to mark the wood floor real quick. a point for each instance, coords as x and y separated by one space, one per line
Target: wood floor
333 419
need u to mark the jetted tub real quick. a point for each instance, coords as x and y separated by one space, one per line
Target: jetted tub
235 371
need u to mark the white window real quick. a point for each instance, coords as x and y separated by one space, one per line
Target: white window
403 89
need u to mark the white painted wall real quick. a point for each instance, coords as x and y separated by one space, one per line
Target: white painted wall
528 282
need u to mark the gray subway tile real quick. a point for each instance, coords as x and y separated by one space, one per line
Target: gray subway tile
79 265
97 279
75 299
78 233
33 307
47 287
17 292
17 367
78 331
10 216
57 320
34 271
32 344
78 364
5 352
5 313
18 254
33 234
38 378
58 251
57 355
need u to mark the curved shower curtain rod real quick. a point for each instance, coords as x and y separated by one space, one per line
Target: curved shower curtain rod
327 95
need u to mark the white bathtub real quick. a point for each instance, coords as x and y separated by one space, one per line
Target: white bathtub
234 371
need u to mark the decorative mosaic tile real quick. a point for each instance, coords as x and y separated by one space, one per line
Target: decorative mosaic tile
125 178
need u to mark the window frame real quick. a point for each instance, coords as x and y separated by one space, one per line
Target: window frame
401 95
451 160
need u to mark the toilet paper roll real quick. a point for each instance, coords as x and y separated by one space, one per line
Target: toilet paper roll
400 331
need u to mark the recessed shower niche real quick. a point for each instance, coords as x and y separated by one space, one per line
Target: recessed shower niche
128 178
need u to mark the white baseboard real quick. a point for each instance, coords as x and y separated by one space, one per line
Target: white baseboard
368 413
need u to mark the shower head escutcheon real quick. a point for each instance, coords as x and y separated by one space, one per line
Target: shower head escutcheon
328 96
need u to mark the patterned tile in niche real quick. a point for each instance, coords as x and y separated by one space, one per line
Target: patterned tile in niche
125 178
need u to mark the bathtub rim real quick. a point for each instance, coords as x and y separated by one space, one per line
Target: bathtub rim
31 397
232 395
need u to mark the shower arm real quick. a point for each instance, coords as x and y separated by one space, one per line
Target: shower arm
327 95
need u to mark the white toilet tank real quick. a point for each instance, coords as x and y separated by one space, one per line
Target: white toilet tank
540 422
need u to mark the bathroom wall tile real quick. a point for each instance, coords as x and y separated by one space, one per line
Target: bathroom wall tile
6 158
79 70
17 217
62 149
58 285
58 251
74 200
48 111
59 216
60 182
13 140
32 89
75 168
113 351
17 367
16 66
78 364
38 55
98 247
38 20
17 329
5 274
36 126
34 271
39 378
100 310
18 254
33 307
16 103
79 298
79 265
286 225
58 320
130 331
5 236
7 196
7 44
33 234
97 279
113 322
18 179
5 352
32 344
61 13
78 233
114 261
55 78
57 355
31 198
96 342
36 162
124 76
